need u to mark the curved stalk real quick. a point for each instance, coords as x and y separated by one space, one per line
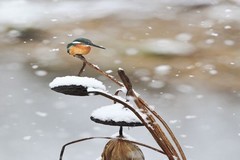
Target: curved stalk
167 128
90 138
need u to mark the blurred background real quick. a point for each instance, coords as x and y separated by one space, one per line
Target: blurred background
183 57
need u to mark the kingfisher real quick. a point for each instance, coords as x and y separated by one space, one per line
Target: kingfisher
81 46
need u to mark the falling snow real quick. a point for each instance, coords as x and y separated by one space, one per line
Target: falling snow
190 116
35 66
131 51
41 114
109 71
188 147
41 73
164 47
27 138
163 69
185 37
156 84
181 55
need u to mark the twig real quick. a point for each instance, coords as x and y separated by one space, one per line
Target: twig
99 70
82 69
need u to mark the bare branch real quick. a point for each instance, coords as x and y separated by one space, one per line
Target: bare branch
99 70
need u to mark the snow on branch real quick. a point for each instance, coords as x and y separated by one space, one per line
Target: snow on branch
116 114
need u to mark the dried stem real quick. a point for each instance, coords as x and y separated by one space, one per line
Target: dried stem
157 132
82 69
167 128
126 81
140 102
99 70
121 131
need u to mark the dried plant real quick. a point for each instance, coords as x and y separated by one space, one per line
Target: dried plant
155 124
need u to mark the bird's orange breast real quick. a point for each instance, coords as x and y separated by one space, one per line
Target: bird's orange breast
79 49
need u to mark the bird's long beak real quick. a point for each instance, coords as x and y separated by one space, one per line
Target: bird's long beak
97 46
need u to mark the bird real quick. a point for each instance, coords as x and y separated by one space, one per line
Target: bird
81 46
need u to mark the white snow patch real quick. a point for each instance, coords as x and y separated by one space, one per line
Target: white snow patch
145 78
229 42
28 101
174 121
213 72
209 41
156 84
117 61
109 71
41 114
190 116
168 47
184 88
9 95
183 136
199 96
90 83
162 69
227 27
214 34
142 72
54 19
184 37
209 67
168 96
224 13
188 147
131 51
41 73
27 138
207 23
115 112
14 33
54 50
34 66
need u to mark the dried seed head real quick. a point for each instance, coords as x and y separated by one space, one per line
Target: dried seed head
73 90
77 86
115 115
118 149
